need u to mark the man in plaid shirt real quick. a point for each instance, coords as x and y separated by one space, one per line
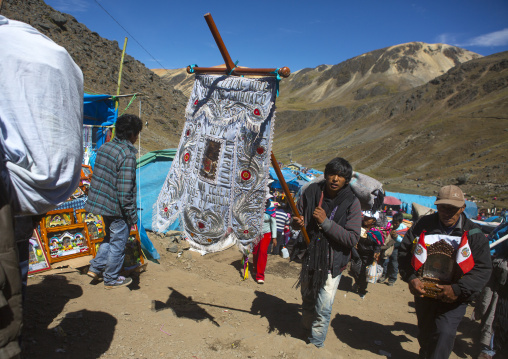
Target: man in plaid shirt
112 194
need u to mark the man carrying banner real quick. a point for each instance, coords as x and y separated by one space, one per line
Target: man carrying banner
439 313
332 216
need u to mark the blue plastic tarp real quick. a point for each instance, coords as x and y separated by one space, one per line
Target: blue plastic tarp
150 178
99 110
289 177
407 199
314 172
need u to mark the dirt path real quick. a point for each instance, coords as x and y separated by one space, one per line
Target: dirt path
198 307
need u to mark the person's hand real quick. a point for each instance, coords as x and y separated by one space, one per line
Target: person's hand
274 241
447 294
298 222
319 215
393 233
376 256
416 287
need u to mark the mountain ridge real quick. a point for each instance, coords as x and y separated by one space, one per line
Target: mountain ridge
416 116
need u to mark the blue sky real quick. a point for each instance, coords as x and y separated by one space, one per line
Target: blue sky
297 34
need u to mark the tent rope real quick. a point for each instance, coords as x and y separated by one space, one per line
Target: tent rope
130 102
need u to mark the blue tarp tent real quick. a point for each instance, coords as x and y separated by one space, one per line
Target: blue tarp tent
289 177
428 201
99 110
152 170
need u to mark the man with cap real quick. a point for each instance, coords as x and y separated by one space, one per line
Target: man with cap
439 317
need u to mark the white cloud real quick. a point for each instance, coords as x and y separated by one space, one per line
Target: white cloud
69 5
445 39
496 38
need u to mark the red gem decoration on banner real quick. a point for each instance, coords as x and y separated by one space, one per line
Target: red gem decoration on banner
246 175
186 157
165 209
257 112
260 150
201 225
196 102
187 133
245 232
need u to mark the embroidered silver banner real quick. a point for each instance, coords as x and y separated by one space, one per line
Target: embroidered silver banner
217 183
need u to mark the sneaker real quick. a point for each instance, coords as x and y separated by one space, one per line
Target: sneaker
260 281
119 282
362 296
93 275
391 283
381 279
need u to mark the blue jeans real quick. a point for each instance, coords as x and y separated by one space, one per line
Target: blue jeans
391 266
111 253
316 312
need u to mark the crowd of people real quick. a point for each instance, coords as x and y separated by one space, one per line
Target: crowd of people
444 257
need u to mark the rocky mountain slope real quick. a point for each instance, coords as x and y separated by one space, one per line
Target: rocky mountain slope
380 72
450 130
99 59
415 115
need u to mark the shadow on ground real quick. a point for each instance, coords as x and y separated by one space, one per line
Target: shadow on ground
283 317
184 307
374 337
81 334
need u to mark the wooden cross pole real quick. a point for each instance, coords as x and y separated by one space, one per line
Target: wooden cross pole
230 65
291 201
232 70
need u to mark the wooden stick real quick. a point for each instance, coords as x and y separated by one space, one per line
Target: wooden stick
283 72
230 65
291 201
220 44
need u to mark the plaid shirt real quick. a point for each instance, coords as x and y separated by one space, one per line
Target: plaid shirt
113 188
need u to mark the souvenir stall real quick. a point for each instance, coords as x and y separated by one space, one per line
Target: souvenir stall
69 231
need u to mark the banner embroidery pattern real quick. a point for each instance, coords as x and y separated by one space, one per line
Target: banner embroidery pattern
217 183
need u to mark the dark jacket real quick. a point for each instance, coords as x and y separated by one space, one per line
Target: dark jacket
11 318
342 232
471 283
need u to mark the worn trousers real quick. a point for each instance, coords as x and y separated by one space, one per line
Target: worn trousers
316 311
111 254
437 326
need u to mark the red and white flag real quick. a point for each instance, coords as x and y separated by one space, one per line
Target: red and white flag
420 253
464 256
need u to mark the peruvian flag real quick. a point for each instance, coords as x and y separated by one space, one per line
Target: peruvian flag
464 256
420 253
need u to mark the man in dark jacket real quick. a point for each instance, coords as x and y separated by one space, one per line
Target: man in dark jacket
438 318
112 194
332 216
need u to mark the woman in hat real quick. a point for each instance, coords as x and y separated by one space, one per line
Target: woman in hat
369 247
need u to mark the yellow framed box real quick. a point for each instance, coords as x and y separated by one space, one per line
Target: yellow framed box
66 242
94 222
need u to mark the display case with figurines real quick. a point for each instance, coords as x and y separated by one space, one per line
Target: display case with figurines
37 257
95 224
62 217
66 242
440 268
